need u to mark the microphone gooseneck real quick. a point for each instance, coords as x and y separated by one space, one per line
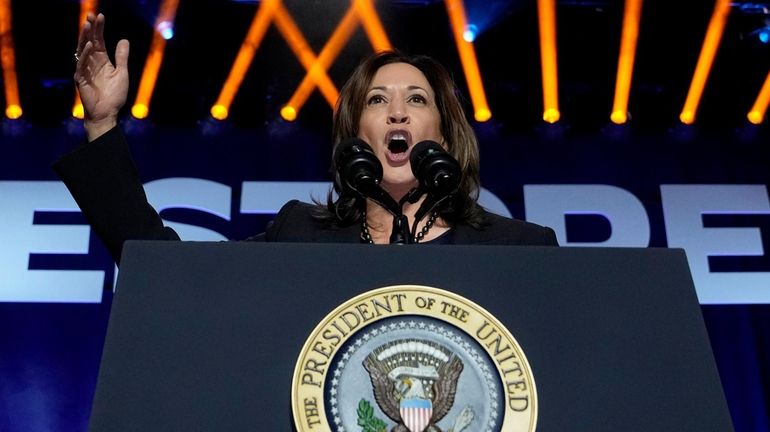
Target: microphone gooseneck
360 171
438 174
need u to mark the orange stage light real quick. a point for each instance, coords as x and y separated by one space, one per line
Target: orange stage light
86 6
631 18
140 109
333 46
166 15
457 18
289 113
372 25
705 60
360 10
546 11
249 46
274 11
757 113
305 54
8 63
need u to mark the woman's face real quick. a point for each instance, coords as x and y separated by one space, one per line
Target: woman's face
400 112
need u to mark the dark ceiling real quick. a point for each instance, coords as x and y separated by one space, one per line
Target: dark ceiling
209 34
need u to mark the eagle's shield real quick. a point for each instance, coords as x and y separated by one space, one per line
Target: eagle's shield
416 413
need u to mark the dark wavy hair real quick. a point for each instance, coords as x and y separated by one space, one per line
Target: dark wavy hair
458 134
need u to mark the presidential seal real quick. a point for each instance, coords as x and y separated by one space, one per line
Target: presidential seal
412 359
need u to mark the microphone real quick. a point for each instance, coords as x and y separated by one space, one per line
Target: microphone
359 170
357 166
438 174
436 170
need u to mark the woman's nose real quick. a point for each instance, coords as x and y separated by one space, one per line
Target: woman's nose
397 114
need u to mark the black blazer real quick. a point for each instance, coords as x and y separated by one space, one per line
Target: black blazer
294 223
103 180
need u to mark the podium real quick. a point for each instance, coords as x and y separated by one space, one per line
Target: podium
205 335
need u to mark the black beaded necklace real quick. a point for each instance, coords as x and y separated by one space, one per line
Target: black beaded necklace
366 236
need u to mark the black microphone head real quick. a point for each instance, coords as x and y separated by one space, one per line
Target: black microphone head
421 151
436 170
347 146
357 166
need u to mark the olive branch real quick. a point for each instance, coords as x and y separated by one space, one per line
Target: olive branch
367 420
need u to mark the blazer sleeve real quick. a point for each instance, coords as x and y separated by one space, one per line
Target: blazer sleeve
549 237
103 180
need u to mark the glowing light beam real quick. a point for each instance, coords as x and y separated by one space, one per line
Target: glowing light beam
86 7
456 12
757 113
330 51
167 13
360 11
274 11
631 18
251 42
705 60
305 54
8 63
373 27
546 11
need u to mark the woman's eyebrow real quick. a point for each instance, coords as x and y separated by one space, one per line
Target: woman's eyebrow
416 87
385 88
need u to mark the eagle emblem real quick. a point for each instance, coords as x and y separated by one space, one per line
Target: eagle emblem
395 359
415 382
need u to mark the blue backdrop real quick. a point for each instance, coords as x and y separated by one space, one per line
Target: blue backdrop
652 183
50 345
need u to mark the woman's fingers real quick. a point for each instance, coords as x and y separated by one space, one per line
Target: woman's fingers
121 54
83 38
80 70
97 35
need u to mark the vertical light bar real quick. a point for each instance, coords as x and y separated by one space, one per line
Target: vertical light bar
456 12
257 30
86 6
304 53
330 51
8 63
631 18
546 11
705 60
165 17
757 113
372 25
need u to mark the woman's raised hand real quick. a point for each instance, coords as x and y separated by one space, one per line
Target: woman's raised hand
103 86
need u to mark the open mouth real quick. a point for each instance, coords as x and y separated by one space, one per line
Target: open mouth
398 145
